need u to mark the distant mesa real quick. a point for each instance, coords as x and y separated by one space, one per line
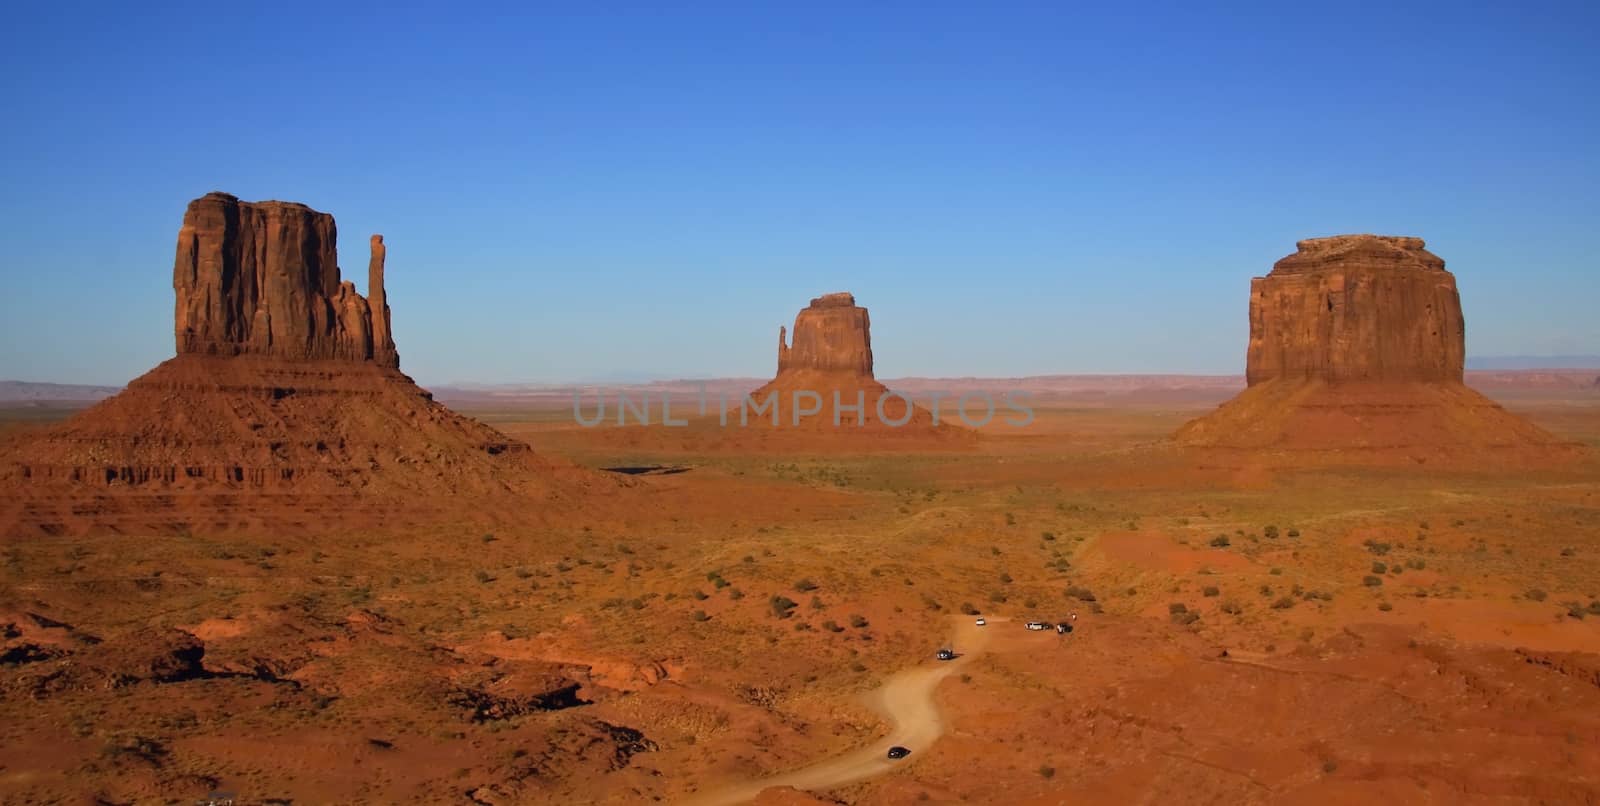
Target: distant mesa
1357 346
830 355
286 381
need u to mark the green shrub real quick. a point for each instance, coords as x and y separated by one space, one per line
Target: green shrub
782 606
1371 581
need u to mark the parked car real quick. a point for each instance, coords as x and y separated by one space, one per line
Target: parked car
1063 628
899 752
981 622
945 653
1036 625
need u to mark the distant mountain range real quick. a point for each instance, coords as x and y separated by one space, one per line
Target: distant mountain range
30 392
1483 372
1533 362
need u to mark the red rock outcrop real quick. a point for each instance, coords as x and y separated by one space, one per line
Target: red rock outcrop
1356 307
284 407
1356 352
832 334
262 278
830 356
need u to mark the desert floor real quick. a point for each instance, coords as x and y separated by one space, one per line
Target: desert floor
1245 634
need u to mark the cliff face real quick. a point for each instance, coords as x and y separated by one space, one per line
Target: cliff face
262 278
1356 308
832 334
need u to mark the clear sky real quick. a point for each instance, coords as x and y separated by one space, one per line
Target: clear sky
575 193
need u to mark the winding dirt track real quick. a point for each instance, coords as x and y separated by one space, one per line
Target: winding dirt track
906 702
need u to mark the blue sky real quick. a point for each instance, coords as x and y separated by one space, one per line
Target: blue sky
569 192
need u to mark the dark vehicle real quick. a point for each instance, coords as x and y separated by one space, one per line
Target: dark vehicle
1063 628
946 654
899 752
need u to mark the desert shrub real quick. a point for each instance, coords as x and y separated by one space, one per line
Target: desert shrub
1535 594
1232 607
1210 590
1047 536
1568 551
1185 619
1379 568
735 594
1005 578
858 667
804 585
700 615
1377 548
782 606
1283 603
858 621
488 538
1081 594
1371 581
1177 607
997 597
748 559
482 576
832 626
1011 520
931 603
1594 607
1294 532
1271 532
1576 611
1030 603
523 573
700 595
1416 564
1266 590
1047 771
1385 606
1220 541
967 609
816 603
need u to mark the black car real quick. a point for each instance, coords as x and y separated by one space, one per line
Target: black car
899 752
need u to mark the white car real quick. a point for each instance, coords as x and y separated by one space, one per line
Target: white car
980 622
1036 625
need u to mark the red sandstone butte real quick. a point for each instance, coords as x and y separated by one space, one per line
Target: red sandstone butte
830 354
1356 307
1356 352
262 278
284 407
832 334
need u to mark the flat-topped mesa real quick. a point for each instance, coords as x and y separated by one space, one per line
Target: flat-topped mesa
1357 308
262 278
831 335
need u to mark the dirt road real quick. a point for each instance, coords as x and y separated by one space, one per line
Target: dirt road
906 702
